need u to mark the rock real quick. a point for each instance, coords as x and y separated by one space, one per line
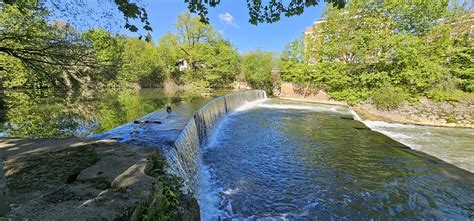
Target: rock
191 210
105 170
88 196
426 112
347 117
4 199
114 161
135 179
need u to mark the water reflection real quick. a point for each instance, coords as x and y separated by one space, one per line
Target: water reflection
41 113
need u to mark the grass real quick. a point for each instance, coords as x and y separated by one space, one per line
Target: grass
166 201
450 118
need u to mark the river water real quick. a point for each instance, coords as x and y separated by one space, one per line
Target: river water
277 160
43 113
282 160
453 145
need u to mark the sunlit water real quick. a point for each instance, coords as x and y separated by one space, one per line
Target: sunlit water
41 113
453 145
291 161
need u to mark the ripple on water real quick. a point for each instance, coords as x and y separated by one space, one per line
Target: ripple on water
453 145
287 162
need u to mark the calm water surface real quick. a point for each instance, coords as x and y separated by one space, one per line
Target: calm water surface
284 160
40 113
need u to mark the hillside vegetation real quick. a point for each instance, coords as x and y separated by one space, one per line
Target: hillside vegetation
387 52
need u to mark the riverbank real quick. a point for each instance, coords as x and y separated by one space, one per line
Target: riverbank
425 112
63 179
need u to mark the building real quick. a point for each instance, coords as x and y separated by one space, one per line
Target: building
183 65
313 38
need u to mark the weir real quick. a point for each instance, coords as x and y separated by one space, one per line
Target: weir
287 160
183 156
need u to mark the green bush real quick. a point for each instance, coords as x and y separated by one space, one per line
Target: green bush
141 64
389 97
256 67
450 118
351 96
454 95
166 202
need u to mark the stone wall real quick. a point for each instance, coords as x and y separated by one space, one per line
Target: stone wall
292 91
426 112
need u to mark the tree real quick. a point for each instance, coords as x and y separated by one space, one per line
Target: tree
212 61
192 31
262 13
141 64
53 52
170 53
129 9
257 68
108 52
44 48
220 64
382 47
258 12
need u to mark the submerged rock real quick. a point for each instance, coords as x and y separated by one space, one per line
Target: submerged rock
147 122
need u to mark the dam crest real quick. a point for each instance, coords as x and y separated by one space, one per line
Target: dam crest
184 154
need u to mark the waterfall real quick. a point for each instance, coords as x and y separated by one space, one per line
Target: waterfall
356 116
183 156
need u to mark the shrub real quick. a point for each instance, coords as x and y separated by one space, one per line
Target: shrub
450 118
351 96
388 98
453 95
166 202
256 67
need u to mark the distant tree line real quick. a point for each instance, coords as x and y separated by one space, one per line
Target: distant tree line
387 52
37 53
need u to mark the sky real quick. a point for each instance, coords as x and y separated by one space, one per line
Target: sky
230 18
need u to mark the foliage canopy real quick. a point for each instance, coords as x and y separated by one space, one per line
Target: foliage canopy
414 48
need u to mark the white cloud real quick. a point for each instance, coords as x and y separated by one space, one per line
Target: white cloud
228 19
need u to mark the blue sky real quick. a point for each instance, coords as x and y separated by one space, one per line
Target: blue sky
230 17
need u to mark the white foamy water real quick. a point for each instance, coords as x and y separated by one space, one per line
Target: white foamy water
356 116
316 108
275 160
453 145
208 194
250 105
295 105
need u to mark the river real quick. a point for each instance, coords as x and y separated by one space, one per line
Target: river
285 160
279 159
45 114
453 145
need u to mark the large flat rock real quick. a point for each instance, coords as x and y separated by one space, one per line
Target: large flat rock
72 179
